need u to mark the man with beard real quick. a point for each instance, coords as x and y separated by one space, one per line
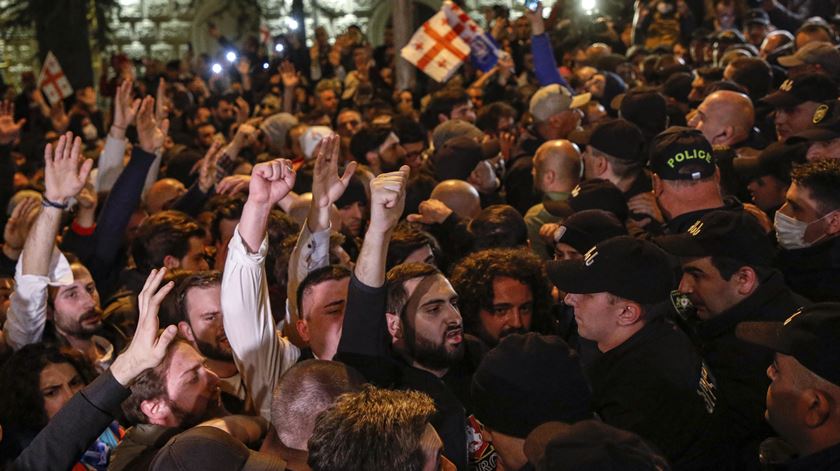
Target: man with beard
50 287
407 332
200 321
379 147
501 292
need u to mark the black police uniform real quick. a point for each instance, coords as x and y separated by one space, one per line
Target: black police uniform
654 384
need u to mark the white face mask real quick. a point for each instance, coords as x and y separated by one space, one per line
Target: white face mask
790 232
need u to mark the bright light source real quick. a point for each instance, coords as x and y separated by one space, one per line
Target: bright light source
265 65
230 56
588 5
278 47
216 68
292 23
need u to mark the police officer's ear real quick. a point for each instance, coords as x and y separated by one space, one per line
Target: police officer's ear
819 405
658 187
746 280
832 223
630 313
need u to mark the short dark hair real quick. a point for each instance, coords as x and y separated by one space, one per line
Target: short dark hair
754 74
499 225
395 279
162 234
473 277
489 115
304 391
21 401
408 130
728 266
201 279
368 139
225 207
443 102
822 179
315 278
150 385
389 423
405 240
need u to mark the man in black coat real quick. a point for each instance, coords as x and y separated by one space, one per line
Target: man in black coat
725 259
647 377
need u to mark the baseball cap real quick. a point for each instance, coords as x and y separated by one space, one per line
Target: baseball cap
775 160
807 87
209 448
645 107
757 16
811 335
589 445
454 128
631 268
541 368
682 153
725 233
591 194
826 120
586 228
554 99
817 52
618 138
310 139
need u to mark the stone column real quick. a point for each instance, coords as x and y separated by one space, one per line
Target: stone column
402 17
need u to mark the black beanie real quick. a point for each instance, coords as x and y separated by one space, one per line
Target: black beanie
528 380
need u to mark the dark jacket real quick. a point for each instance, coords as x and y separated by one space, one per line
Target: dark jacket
813 272
656 385
365 345
140 445
72 430
518 181
740 368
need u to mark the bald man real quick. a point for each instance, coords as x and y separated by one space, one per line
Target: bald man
726 120
162 193
461 197
556 171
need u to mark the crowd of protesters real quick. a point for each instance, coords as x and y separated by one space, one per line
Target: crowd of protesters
616 249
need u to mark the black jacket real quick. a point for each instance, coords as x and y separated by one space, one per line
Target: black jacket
655 384
365 345
740 368
72 430
518 182
813 272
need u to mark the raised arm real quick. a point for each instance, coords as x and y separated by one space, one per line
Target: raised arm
65 175
111 159
312 248
387 194
259 352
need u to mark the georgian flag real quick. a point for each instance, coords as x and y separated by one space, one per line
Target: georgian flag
52 80
484 51
436 48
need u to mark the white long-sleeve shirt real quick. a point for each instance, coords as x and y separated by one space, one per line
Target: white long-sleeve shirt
312 251
261 353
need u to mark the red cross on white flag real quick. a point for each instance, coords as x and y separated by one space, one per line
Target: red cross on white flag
52 81
436 48
265 33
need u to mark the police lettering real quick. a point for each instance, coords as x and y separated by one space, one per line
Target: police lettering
690 155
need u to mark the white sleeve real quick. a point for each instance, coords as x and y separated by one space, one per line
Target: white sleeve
260 352
312 251
110 164
152 176
27 313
